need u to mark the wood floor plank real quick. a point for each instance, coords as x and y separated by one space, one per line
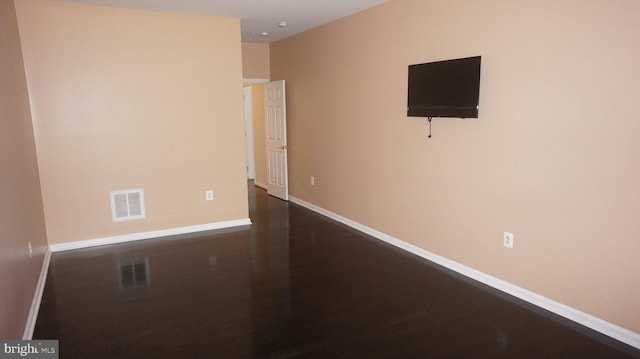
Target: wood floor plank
294 284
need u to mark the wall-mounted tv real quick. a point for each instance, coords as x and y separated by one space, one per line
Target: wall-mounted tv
448 88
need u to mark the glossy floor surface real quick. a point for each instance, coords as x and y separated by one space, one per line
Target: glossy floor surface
293 284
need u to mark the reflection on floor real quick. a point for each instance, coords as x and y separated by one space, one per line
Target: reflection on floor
293 284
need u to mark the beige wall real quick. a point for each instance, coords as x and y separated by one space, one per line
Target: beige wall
255 60
259 135
21 213
553 158
255 65
131 99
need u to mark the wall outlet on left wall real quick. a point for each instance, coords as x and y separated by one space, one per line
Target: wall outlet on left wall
30 250
208 195
507 239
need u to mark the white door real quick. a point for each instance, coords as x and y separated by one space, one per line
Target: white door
276 133
248 133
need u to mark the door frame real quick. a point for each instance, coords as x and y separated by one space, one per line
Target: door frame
249 82
248 133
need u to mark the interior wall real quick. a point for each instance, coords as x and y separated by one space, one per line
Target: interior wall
255 65
259 135
126 99
255 60
21 212
553 157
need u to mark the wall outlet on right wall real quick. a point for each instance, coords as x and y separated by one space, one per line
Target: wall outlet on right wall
508 240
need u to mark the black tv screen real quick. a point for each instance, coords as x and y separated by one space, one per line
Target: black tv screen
448 88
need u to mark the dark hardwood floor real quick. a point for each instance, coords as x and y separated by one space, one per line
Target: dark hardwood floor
293 284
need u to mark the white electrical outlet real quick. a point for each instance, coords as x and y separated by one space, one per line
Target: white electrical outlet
508 240
30 250
312 180
208 195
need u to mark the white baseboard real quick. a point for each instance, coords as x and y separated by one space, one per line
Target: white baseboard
263 186
148 235
37 298
589 321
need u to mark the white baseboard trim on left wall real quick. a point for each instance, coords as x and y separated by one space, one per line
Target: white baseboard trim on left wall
148 235
614 331
37 297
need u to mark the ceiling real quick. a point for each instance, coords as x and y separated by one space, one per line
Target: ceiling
256 16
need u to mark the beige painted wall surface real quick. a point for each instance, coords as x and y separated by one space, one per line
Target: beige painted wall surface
553 158
127 99
259 134
255 60
21 213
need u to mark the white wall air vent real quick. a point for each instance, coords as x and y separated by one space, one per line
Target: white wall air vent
127 205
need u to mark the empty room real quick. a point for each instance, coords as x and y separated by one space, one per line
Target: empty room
359 179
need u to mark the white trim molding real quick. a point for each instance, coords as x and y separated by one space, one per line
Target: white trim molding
254 81
614 331
37 297
148 235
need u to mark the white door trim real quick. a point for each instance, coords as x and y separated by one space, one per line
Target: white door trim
248 133
255 81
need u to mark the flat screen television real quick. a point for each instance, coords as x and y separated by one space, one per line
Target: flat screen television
448 88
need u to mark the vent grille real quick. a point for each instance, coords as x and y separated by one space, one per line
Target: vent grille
127 205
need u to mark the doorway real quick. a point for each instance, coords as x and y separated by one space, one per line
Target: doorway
258 103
